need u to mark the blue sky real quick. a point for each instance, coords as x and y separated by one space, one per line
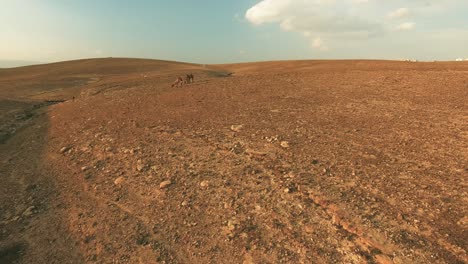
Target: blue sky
218 31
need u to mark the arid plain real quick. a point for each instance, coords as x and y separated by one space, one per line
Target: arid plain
272 162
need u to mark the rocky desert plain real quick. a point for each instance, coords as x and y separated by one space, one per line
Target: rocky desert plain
102 161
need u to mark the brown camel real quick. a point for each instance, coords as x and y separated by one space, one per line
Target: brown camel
189 78
178 82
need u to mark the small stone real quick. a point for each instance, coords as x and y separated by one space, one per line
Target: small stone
184 203
232 224
284 144
140 166
85 149
204 184
28 211
286 190
463 222
237 128
400 217
119 180
309 229
165 184
88 175
84 168
65 149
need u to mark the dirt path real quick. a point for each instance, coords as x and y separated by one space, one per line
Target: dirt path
32 227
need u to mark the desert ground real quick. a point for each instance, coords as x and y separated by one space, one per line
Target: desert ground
272 162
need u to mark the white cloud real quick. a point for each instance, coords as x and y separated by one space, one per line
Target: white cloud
338 21
399 13
406 26
315 19
317 43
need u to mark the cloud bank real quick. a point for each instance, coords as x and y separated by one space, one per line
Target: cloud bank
329 22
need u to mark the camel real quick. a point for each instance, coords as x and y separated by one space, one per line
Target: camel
178 82
189 78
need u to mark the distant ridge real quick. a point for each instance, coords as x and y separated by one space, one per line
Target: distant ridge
17 63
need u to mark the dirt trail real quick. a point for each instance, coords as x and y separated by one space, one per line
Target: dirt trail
282 162
31 215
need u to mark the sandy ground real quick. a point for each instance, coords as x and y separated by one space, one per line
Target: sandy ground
278 162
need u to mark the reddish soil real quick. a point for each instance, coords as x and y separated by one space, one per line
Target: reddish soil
278 162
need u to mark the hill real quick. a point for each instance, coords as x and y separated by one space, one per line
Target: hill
68 78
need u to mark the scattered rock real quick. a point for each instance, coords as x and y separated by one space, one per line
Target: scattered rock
29 211
369 156
140 166
272 139
184 203
286 190
65 149
232 224
119 180
238 148
84 168
284 144
165 184
237 128
129 151
309 229
231 227
463 222
204 184
85 149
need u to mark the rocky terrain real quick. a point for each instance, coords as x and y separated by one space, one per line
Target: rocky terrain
275 162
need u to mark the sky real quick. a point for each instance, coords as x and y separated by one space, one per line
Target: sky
225 31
